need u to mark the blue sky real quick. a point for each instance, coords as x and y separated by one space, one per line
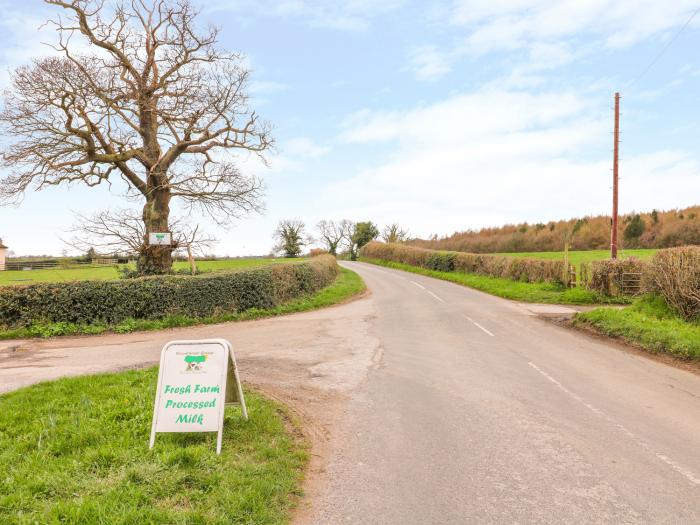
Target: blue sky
440 115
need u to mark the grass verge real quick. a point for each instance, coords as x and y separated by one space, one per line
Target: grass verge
346 285
76 451
648 323
519 291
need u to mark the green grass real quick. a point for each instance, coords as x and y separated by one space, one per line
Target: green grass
93 273
346 285
76 451
519 291
584 256
648 323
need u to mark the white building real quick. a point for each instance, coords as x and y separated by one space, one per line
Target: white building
3 251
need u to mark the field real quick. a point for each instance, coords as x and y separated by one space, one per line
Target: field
112 272
586 256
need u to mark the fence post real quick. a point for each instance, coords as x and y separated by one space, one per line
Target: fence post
567 273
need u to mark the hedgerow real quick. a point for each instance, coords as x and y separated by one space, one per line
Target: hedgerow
517 269
607 276
675 274
112 302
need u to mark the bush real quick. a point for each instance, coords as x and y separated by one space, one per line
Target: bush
607 276
112 302
675 274
517 269
441 261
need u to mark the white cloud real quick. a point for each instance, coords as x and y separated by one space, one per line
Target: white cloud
491 157
265 87
463 118
503 24
351 15
543 35
304 147
428 63
22 41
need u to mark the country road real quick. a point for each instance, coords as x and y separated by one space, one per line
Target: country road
482 413
430 403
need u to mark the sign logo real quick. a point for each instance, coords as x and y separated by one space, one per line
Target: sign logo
195 363
160 239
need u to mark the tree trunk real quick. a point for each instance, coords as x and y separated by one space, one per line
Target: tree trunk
190 257
156 260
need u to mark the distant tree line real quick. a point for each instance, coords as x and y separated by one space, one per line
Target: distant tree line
336 237
655 229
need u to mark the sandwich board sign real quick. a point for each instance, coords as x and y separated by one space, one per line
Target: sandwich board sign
196 379
160 239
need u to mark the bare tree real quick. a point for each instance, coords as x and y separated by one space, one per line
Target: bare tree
290 237
153 102
347 228
331 235
122 232
193 241
108 232
394 233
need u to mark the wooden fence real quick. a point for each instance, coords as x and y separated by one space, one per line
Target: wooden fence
30 265
58 263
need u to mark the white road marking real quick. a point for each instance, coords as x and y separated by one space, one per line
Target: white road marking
478 325
436 297
431 293
687 474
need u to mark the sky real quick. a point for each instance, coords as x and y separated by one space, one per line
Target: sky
440 115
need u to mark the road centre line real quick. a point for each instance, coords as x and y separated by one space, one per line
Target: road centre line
686 473
429 292
478 325
436 297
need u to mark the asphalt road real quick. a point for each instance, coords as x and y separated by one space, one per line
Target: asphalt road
479 412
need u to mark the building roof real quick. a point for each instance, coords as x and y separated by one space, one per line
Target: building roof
2 245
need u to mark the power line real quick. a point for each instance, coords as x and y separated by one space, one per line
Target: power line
664 49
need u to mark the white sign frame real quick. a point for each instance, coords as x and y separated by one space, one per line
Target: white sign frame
227 396
155 239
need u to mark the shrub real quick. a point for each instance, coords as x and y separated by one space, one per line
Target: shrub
441 261
675 274
607 276
111 302
517 269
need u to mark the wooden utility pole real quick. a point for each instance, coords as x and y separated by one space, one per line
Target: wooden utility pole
616 152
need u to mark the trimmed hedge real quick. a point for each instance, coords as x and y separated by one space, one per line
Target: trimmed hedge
111 302
517 269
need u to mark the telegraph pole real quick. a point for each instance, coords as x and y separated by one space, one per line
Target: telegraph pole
616 152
